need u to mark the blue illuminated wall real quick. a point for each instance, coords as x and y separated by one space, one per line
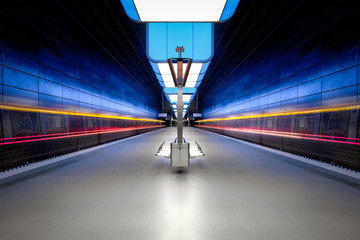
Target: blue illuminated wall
296 68
40 71
69 81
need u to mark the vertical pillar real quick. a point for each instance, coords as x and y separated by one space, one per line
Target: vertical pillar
180 72
180 114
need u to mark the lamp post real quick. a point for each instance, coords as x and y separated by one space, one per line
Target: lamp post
180 150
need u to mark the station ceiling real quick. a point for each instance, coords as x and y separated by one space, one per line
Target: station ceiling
105 26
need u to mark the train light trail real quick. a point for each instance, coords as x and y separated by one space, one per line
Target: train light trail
72 113
286 113
78 134
323 138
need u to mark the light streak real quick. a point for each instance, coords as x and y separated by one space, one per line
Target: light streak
46 135
286 113
286 134
80 134
72 113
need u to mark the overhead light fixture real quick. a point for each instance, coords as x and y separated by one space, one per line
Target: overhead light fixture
197 39
173 98
191 81
168 81
195 68
164 68
191 84
169 84
186 98
185 10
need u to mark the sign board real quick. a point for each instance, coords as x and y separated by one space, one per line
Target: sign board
197 115
162 115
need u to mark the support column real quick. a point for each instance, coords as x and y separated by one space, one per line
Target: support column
180 115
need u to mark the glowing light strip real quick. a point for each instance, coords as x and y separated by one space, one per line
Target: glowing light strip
292 133
57 134
185 10
52 111
44 135
83 134
311 135
275 133
308 111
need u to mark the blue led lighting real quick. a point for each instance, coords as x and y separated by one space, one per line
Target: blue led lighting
204 67
163 38
155 67
158 76
174 90
130 9
201 76
229 9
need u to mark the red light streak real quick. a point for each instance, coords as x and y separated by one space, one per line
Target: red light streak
286 134
72 113
338 108
45 135
77 134
293 133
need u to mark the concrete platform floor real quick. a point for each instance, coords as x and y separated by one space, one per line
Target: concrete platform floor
235 192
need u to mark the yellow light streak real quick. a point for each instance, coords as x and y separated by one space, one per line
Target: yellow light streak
286 113
72 113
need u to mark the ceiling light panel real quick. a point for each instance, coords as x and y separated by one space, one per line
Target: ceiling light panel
173 98
163 38
195 68
186 98
191 81
169 84
164 68
192 78
182 11
190 84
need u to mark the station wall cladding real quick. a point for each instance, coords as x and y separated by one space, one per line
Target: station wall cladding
299 91
59 90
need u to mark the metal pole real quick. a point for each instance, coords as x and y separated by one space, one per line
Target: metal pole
180 109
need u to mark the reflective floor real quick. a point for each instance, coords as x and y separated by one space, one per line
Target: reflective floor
125 192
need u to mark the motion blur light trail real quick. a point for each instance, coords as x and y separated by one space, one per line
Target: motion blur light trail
287 134
286 113
78 134
72 113
282 124
138 125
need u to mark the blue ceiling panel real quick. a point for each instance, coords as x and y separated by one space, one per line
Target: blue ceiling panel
163 38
